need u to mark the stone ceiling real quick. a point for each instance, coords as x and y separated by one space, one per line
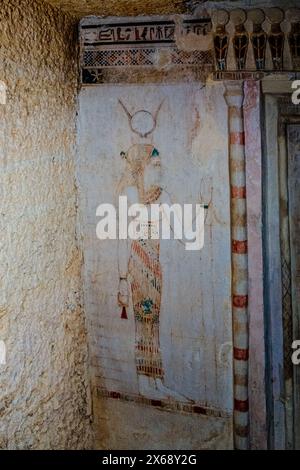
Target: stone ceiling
81 8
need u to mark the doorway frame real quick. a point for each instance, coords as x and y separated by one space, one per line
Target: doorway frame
273 119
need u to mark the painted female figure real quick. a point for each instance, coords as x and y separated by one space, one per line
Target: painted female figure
140 270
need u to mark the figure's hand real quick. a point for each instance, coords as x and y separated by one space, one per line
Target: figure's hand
123 297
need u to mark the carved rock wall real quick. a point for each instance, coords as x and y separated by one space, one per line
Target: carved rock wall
82 8
43 386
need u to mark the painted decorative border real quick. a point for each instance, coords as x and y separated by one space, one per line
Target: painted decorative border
166 405
141 33
110 46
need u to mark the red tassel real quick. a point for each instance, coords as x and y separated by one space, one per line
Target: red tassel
124 314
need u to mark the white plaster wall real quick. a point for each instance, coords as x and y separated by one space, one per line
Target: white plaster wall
43 386
127 426
195 321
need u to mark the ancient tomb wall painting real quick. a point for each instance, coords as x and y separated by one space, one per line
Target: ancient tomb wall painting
159 316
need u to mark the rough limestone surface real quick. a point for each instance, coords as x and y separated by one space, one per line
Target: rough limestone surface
43 385
82 8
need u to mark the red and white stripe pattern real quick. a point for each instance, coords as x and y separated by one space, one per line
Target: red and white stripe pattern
234 99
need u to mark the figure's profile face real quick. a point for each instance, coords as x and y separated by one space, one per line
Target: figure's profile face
152 174
152 181
144 170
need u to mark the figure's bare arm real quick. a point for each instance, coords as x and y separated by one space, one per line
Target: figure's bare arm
123 260
179 226
172 222
124 246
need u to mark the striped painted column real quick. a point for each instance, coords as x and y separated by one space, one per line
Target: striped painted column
234 98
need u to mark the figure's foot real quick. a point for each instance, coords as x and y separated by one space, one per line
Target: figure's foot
155 390
170 394
148 389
